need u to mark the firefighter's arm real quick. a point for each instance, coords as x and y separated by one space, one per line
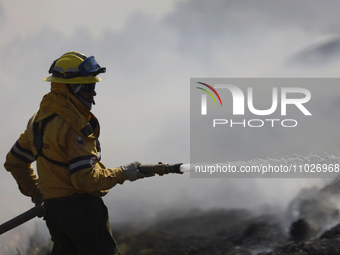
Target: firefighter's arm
19 163
87 172
97 177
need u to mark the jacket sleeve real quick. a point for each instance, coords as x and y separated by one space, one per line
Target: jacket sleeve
88 174
19 163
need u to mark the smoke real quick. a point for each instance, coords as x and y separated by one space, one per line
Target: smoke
2 15
320 53
314 210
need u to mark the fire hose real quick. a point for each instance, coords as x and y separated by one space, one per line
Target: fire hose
37 210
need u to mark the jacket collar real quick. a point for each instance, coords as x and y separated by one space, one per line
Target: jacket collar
62 102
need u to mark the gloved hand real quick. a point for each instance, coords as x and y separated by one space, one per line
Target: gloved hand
38 199
39 202
132 173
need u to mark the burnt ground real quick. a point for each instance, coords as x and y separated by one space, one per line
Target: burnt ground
227 232
310 225
219 232
212 232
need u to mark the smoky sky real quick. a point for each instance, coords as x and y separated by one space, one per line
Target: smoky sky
143 100
217 17
2 15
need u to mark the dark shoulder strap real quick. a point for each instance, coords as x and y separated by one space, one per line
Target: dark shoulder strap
38 134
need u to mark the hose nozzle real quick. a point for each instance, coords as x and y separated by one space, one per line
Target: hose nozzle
161 168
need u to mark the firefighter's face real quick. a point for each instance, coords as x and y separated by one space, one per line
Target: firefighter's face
88 92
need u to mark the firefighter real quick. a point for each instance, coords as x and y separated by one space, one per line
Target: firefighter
62 137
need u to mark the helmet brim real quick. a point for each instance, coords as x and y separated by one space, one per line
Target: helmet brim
76 80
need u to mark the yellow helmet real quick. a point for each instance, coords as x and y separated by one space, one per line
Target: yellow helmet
75 68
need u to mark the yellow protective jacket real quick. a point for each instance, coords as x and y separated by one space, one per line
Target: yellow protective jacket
70 159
